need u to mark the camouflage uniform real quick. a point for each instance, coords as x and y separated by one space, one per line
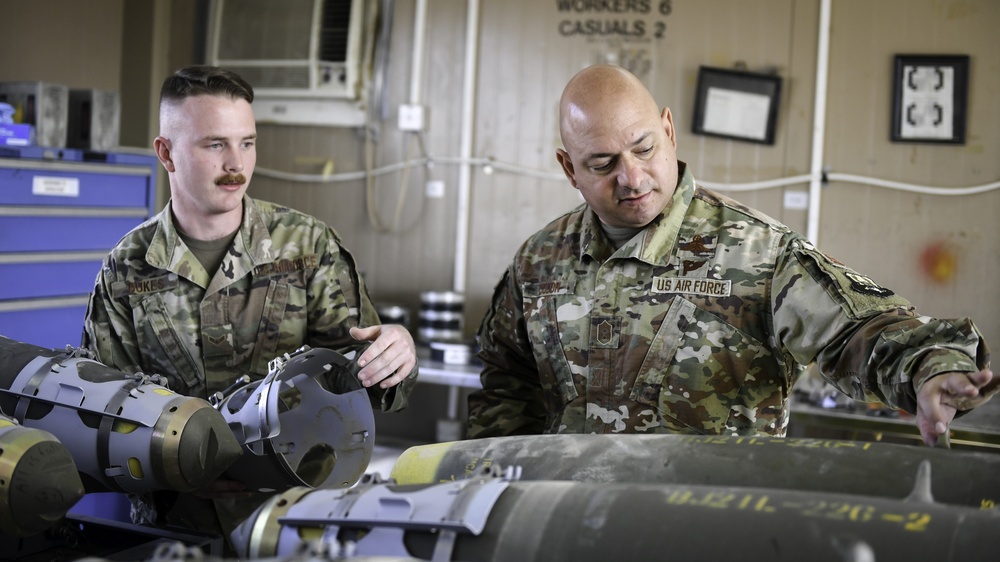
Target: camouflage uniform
286 281
698 324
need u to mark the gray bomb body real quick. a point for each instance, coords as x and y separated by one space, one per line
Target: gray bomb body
125 433
822 465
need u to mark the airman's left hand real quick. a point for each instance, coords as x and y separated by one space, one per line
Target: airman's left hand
944 395
390 357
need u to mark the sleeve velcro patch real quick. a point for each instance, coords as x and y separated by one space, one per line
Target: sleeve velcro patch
858 294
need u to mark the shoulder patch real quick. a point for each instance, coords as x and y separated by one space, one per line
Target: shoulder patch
857 293
863 284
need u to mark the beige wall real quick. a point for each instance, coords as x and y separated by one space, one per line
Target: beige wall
883 232
523 61
73 43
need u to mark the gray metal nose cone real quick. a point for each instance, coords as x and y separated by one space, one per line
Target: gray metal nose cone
207 448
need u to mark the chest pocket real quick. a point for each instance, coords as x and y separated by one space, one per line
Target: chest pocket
283 323
163 330
695 369
542 303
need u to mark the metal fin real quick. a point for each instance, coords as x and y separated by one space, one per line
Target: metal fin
922 485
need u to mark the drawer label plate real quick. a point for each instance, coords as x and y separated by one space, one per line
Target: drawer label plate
58 187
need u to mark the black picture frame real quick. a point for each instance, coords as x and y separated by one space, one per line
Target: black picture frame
736 104
929 98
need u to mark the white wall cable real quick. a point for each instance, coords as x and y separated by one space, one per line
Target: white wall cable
973 190
755 185
336 178
489 165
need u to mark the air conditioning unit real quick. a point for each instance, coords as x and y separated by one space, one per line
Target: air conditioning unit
307 60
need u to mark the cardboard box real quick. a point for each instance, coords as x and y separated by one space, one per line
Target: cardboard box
94 120
42 104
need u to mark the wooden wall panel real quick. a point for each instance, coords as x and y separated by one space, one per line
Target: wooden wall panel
884 232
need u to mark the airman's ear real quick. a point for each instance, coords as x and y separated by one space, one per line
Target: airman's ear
161 146
567 165
668 126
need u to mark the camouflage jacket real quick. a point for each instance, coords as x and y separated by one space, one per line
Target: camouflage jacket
286 282
699 324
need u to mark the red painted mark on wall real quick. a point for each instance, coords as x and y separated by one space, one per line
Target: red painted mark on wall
939 262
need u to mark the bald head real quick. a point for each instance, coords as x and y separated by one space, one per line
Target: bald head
600 92
620 150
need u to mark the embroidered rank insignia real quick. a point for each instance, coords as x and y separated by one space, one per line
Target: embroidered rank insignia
605 332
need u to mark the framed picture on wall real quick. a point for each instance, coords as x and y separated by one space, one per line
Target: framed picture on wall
736 104
929 97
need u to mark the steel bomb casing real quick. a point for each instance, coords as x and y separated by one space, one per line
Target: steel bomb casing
309 422
125 432
580 521
967 478
38 479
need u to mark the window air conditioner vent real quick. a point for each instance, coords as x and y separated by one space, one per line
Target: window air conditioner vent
295 49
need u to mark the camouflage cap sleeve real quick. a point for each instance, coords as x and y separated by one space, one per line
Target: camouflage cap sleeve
338 300
107 328
510 401
865 340
337 297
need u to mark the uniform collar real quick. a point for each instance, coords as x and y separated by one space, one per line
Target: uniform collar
256 238
654 243
252 247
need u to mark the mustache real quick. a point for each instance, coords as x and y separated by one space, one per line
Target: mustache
625 192
231 178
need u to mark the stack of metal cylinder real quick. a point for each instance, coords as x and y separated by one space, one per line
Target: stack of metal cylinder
441 317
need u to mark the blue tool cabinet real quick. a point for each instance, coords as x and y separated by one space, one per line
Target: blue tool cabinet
61 210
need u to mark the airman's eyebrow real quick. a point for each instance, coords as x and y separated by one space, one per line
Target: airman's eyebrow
223 138
599 155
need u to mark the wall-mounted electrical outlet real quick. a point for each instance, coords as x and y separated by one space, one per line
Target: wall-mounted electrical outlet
796 200
435 189
411 117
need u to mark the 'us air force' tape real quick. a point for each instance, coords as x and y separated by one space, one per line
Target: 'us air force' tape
693 286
